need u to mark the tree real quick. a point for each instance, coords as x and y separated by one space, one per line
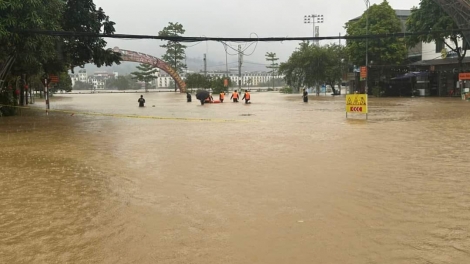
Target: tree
37 55
171 83
430 16
383 51
311 65
145 74
120 83
83 17
277 82
303 67
64 84
196 80
175 51
31 52
82 86
333 68
274 66
51 54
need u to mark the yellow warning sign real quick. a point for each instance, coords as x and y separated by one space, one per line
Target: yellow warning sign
356 103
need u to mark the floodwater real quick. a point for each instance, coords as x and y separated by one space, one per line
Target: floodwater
277 181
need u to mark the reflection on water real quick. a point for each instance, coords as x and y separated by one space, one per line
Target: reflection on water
299 184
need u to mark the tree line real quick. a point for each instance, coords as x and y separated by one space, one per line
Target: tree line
26 58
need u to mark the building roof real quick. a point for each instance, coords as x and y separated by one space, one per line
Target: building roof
447 61
401 13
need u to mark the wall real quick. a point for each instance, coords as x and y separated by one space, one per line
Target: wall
429 50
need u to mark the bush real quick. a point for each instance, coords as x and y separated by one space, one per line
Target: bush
286 90
376 91
6 98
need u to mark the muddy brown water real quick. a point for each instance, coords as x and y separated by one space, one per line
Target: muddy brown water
277 181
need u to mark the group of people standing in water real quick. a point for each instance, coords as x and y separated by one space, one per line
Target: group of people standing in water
235 98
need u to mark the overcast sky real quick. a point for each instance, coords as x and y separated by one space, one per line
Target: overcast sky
233 18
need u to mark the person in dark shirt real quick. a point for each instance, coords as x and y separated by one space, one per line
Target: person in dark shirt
305 96
188 97
141 101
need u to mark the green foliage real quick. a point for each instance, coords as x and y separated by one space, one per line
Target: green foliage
122 83
274 66
277 82
376 91
286 90
38 54
217 85
145 74
82 86
7 98
65 83
175 52
383 51
82 16
430 16
31 52
196 80
310 65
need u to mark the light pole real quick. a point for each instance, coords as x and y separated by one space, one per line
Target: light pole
367 2
312 19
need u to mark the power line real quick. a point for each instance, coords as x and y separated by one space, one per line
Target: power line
219 39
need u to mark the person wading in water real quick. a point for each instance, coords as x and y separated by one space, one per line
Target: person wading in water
246 97
141 101
234 96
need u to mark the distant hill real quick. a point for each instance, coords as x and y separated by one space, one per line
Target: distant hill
194 64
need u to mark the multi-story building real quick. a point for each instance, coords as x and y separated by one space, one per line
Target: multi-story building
440 68
247 78
98 79
164 80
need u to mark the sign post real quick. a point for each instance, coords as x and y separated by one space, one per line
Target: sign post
357 103
363 73
46 82
463 77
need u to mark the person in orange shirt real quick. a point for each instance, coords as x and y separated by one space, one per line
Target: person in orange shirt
222 97
234 96
246 97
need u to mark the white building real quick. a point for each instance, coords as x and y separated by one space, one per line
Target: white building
98 79
247 78
438 50
442 69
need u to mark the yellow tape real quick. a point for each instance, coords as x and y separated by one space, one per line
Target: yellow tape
130 116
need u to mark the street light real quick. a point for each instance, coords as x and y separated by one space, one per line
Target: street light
312 19
367 2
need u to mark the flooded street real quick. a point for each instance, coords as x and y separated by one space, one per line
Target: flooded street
277 181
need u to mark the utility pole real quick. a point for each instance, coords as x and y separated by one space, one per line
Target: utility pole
205 65
240 62
367 2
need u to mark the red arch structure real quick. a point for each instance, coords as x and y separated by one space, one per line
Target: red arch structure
133 56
